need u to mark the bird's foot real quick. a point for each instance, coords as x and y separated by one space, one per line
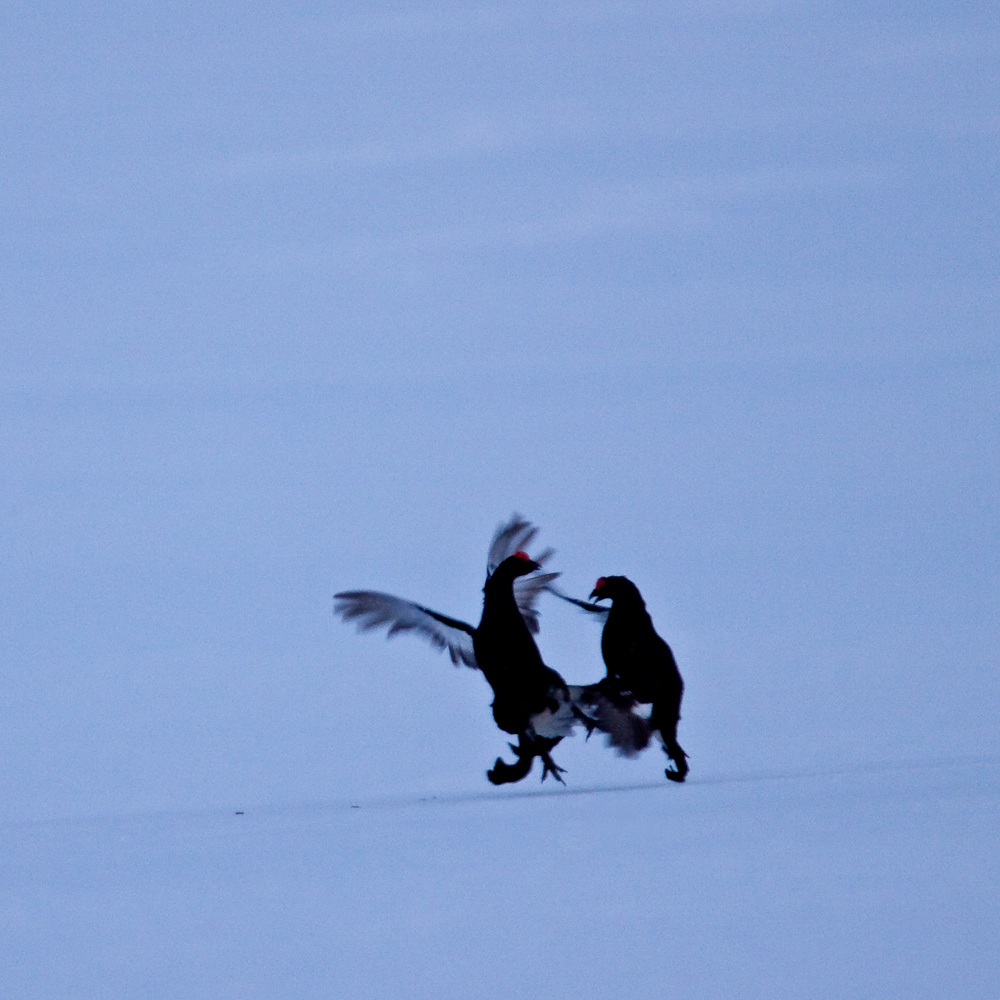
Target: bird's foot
680 765
589 724
503 773
549 766
499 774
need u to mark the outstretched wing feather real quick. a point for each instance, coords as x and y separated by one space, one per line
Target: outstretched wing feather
526 591
372 609
514 536
597 610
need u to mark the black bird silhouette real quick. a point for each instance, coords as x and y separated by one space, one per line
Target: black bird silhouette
641 667
530 700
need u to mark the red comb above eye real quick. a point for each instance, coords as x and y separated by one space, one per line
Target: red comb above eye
521 554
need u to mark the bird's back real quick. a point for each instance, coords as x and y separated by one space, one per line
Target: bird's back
636 657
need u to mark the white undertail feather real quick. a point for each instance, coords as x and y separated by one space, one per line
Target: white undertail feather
556 724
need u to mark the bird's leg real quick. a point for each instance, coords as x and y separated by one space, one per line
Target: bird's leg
664 719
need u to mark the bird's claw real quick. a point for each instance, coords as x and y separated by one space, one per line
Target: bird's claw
680 767
589 724
549 766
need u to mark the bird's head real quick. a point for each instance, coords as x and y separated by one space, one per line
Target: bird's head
520 564
611 587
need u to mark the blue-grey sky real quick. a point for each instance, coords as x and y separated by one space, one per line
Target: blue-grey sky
312 298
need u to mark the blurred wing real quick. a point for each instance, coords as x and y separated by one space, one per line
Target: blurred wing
514 536
372 610
526 591
628 732
600 613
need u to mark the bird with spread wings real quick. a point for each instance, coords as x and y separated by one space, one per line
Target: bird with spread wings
530 700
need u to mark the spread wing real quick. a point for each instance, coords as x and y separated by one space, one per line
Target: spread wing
526 591
372 609
515 536
599 612
627 731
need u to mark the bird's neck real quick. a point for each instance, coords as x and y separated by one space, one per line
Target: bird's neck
498 600
631 609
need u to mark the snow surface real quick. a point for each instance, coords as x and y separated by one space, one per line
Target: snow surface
875 884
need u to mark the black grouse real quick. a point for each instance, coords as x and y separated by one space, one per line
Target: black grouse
641 668
531 701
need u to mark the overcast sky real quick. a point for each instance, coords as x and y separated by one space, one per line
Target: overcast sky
299 301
